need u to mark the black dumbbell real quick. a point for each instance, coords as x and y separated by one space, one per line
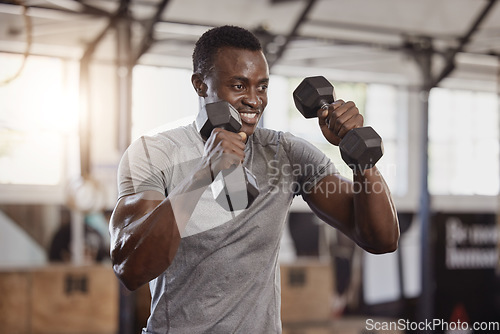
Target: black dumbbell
236 188
360 148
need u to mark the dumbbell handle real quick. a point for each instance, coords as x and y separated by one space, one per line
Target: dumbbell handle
324 105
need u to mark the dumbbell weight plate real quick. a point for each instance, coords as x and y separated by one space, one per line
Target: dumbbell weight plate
361 148
219 114
311 94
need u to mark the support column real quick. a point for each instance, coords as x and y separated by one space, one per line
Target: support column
422 52
124 82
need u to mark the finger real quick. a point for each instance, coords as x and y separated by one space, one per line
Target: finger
340 107
322 116
334 111
350 124
224 142
224 135
243 136
337 104
326 110
233 143
231 147
342 115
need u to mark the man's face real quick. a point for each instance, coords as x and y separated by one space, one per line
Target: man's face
240 77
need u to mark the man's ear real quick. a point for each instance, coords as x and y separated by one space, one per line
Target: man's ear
199 85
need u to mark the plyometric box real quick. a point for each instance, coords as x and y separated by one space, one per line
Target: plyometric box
59 299
348 325
311 329
306 292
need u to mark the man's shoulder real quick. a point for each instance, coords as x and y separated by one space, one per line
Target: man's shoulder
165 142
265 136
180 135
270 137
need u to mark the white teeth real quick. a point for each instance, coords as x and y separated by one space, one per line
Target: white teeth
248 115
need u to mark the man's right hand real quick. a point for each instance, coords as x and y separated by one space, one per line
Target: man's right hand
224 149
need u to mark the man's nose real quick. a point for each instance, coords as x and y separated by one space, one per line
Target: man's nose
252 99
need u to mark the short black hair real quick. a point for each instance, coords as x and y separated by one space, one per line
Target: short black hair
214 39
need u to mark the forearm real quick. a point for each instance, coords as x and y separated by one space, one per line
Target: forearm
145 247
375 218
147 230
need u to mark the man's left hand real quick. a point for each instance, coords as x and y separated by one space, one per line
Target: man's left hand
338 119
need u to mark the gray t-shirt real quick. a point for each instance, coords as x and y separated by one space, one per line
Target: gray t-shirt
225 275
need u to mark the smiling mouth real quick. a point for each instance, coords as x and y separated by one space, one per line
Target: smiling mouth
249 115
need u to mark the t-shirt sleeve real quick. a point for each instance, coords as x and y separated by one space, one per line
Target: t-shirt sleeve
142 167
309 164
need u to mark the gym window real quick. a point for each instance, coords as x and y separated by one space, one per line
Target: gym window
162 98
38 116
463 143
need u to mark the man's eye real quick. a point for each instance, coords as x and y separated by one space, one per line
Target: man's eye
263 88
238 86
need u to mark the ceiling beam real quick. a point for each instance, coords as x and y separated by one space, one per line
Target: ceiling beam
373 29
463 41
148 38
301 19
120 13
85 9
